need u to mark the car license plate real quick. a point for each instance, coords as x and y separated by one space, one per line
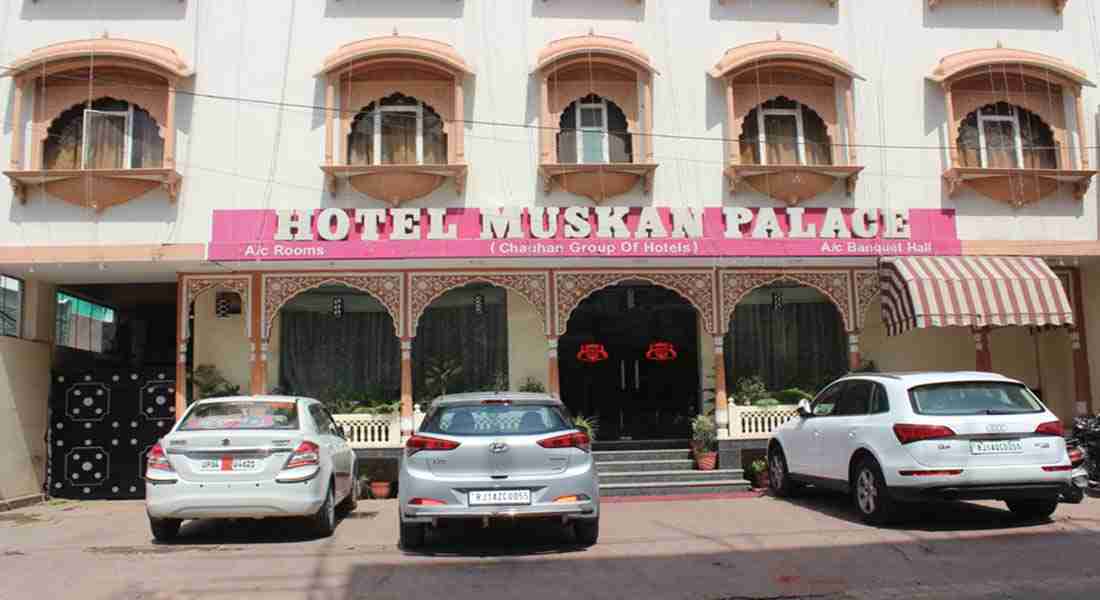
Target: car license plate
228 463
500 497
996 447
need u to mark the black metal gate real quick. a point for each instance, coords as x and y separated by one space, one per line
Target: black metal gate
102 423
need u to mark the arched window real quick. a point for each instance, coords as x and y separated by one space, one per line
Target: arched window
1003 136
108 134
397 130
594 131
784 132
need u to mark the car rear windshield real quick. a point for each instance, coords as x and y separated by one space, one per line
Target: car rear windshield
243 414
973 398
496 419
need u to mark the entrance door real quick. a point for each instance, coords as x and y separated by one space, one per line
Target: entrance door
630 358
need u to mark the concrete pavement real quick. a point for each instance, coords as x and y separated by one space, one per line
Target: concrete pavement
718 548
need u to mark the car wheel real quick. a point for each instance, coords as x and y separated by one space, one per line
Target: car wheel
587 531
164 530
779 477
1037 508
412 535
351 501
870 495
324 522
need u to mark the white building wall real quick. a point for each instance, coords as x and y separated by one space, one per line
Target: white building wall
237 154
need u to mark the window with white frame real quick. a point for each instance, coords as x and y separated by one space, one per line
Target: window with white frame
1003 136
397 130
594 131
105 134
785 132
11 306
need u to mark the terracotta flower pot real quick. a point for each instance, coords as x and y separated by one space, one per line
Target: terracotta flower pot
761 479
380 489
706 461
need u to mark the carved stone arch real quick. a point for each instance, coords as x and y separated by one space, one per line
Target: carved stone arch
387 288
572 287
820 103
833 284
867 288
425 288
197 285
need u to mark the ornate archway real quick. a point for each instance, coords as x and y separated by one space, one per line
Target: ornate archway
836 285
425 288
194 286
387 288
571 287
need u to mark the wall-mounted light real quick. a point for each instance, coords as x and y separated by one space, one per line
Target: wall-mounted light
338 307
226 304
479 304
777 301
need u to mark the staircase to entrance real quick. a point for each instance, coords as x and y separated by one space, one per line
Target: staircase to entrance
658 468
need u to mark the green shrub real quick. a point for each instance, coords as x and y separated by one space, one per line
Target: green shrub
589 425
791 396
749 390
766 402
209 382
704 433
532 385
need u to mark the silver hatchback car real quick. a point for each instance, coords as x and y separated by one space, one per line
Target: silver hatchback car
498 455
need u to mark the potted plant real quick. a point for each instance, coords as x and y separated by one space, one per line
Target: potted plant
704 442
589 425
749 390
380 490
758 473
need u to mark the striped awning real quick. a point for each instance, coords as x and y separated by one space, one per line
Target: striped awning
971 291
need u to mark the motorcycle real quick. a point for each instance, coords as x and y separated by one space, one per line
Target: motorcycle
1083 447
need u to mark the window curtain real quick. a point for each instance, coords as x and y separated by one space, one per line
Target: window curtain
1040 149
781 139
750 139
1000 144
457 334
819 149
435 139
318 352
802 345
567 136
361 138
64 140
620 149
106 144
148 146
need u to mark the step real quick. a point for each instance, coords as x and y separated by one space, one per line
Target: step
640 455
674 488
671 476
646 465
669 444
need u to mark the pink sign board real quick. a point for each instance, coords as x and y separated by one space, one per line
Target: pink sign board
578 232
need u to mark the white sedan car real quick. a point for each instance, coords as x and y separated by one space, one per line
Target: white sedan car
250 457
892 438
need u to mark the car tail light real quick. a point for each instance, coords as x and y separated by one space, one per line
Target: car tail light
908 434
305 455
936 473
1051 428
1056 468
1076 455
422 442
426 502
496 401
577 439
573 498
158 460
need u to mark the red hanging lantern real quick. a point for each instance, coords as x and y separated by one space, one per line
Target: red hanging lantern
661 352
592 353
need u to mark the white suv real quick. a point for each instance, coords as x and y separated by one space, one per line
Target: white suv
891 438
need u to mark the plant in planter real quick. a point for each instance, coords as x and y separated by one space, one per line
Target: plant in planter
704 442
210 383
530 384
589 425
758 473
380 490
749 391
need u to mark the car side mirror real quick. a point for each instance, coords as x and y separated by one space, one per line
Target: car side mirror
804 409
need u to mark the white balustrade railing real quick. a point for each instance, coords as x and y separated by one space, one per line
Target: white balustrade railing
369 430
758 422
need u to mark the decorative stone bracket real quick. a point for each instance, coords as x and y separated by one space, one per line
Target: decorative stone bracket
1017 187
791 183
394 184
95 188
597 182
1059 5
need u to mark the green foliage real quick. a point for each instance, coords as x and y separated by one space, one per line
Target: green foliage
209 382
342 400
589 425
757 466
791 396
532 385
749 390
704 433
766 402
439 375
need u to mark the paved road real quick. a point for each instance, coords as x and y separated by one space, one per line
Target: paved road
711 549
